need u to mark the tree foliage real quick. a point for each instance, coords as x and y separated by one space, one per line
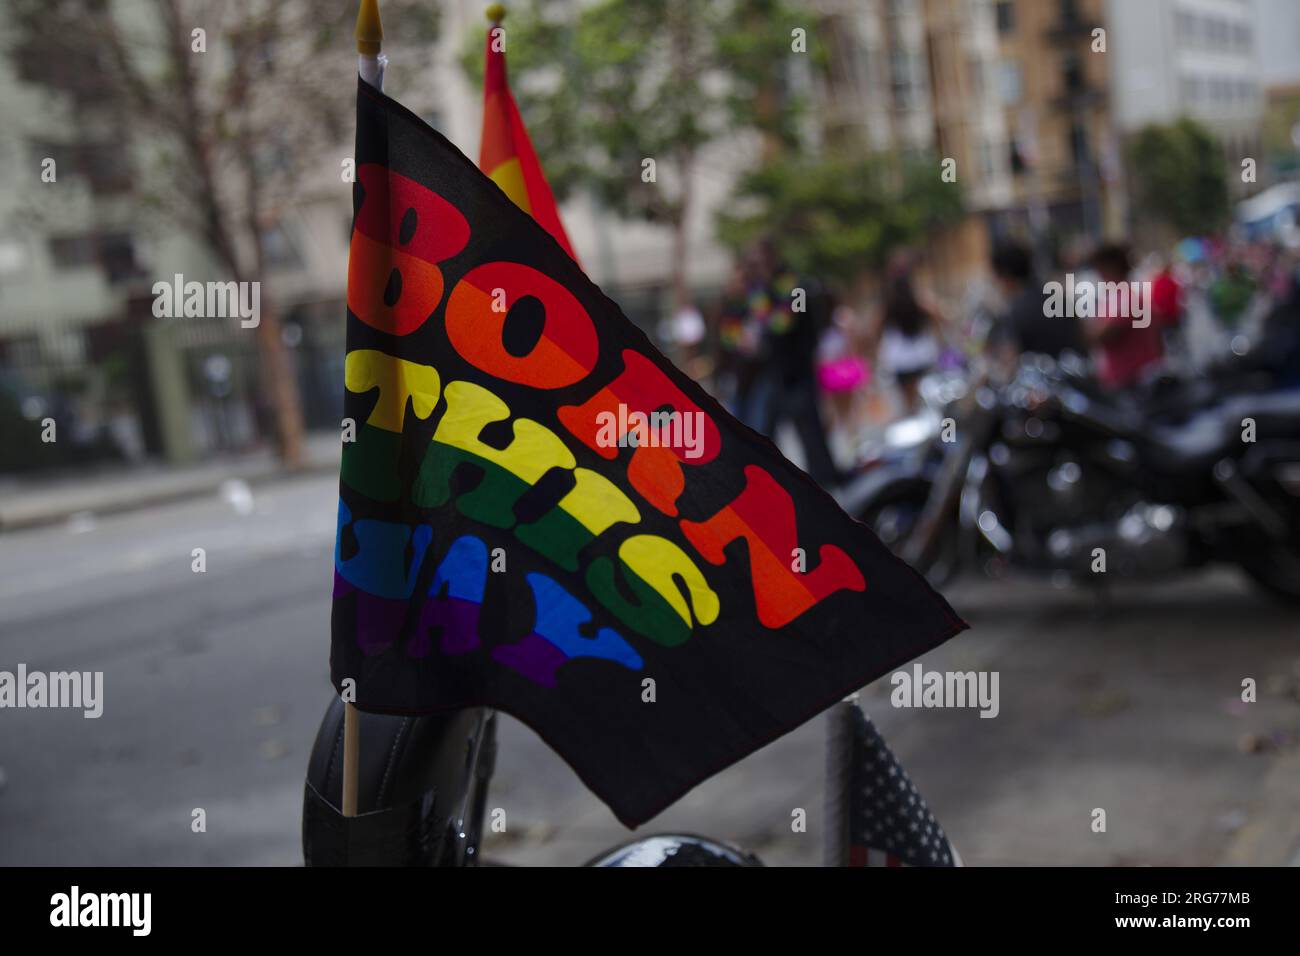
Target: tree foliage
609 88
835 216
605 86
614 83
1179 177
224 138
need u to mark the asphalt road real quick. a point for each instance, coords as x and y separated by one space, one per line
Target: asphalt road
214 684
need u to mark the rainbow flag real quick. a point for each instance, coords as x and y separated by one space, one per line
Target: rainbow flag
506 153
541 515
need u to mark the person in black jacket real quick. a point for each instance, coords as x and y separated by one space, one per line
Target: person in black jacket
791 311
1024 325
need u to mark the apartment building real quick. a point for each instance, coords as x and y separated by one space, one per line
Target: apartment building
1195 58
970 125
1056 93
875 92
80 253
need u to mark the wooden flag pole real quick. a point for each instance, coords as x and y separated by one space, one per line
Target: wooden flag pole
351 758
370 38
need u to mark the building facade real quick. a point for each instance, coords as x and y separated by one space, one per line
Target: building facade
1195 58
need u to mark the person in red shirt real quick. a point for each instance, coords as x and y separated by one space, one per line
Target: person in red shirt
1166 299
1123 351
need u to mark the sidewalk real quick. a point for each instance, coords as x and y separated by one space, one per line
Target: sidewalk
27 503
1271 835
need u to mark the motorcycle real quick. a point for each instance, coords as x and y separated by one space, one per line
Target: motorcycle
1043 473
1038 472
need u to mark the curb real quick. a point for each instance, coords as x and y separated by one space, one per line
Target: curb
126 496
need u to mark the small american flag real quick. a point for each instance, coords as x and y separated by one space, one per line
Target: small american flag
889 822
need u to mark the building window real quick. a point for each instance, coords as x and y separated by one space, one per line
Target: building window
1005 12
1009 82
985 154
1079 145
1072 76
72 252
117 257
104 165
900 77
13 256
1216 33
975 70
113 252
1241 37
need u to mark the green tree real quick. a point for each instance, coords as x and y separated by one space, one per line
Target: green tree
607 86
1179 177
1281 121
835 215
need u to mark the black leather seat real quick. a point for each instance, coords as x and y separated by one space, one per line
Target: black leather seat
413 775
1193 446
1215 433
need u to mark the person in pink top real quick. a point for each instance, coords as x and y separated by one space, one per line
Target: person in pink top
1123 351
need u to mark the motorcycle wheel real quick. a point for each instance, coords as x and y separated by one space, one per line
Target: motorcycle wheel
1276 569
893 518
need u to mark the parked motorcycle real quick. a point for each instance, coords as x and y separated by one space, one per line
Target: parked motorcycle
1044 473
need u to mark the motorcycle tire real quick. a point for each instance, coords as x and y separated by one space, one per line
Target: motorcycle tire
892 518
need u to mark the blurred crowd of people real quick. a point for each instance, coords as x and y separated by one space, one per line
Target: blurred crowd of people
782 347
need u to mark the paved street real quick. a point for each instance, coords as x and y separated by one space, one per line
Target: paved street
214 684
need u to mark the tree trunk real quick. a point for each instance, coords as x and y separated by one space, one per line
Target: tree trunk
279 382
681 282
278 385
